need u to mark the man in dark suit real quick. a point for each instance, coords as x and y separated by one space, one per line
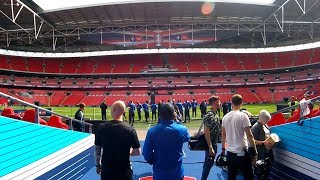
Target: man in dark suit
103 108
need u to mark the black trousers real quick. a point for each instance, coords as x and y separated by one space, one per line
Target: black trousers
103 115
203 113
241 163
186 115
154 115
139 115
131 117
146 115
194 112
111 175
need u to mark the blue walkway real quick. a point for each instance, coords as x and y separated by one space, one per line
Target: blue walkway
22 143
192 165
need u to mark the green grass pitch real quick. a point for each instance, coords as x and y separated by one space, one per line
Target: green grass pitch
95 114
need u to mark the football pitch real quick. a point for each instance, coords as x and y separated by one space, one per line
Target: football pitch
94 113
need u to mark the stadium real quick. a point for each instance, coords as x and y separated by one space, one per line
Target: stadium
55 56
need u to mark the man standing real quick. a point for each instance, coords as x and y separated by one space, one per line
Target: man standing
103 108
132 108
77 126
159 106
187 106
154 111
237 133
163 146
114 140
145 107
224 108
139 107
173 102
229 105
212 131
203 108
194 105
292 103
180 107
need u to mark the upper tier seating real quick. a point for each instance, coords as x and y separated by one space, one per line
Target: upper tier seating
181 62
160 81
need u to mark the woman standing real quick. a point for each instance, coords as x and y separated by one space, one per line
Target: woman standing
261 133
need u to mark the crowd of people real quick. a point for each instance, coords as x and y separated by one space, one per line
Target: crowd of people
241 144
182 109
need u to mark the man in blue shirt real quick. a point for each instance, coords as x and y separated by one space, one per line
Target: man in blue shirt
145 107
132 108
154 108
163 146
187 106
229 106
194 105
180 106
139 107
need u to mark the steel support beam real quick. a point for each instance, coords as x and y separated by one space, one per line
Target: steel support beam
36 14
278 9
303 9
47 33
282 19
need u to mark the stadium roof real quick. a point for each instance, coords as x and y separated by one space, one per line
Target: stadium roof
127 25
59 5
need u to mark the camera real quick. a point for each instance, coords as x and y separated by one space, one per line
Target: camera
263 168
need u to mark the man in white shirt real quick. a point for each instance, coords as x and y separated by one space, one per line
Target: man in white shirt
237 134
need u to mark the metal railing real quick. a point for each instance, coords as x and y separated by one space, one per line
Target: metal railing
296 106
38 109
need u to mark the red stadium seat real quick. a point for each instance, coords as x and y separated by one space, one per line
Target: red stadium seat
8 112
29 117
55 121
276 119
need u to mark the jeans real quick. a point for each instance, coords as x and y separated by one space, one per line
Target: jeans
235 163
208 163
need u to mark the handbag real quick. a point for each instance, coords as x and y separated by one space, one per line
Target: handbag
198 142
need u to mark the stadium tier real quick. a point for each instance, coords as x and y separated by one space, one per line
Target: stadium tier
179 62
223 79
94 98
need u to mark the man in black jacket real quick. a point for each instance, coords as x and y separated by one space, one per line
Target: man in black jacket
103 108
79 116
203 108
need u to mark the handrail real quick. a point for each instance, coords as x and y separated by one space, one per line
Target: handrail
295 106
37 109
